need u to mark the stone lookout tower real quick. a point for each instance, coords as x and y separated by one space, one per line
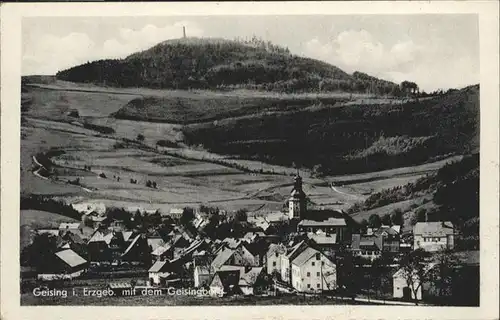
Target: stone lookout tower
297 201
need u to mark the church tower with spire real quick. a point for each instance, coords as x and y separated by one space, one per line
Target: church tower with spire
297 201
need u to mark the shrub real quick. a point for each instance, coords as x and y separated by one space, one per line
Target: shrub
166 143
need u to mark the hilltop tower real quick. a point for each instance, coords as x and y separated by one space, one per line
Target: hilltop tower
297 201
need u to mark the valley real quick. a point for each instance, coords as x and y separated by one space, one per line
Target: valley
185 175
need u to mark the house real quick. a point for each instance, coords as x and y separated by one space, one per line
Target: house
366 246
91 207
66 264
313 271
433 236
201 276
260 222
163 253
390 238
199 221
224 282
69 226
94 219
120 288
137 250
70 240
236 280
323 240
273 258
159 272
253 236
288 257
174 213
402 289
249 279
53 232
332 225
100 243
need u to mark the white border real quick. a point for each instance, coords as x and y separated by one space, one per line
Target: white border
11 15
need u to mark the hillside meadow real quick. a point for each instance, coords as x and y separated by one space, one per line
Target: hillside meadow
186 174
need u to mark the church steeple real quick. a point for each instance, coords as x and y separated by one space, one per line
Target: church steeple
297 200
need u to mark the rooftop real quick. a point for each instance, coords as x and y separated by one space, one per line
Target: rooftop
71 258
327 222
158 266
323 239
433 229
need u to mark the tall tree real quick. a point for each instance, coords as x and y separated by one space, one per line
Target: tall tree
444 271
374 221
415 270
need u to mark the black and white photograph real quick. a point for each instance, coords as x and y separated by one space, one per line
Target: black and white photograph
250 160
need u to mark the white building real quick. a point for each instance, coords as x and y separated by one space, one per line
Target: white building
312 271
433 236
403 290
158 271
273 257
202 276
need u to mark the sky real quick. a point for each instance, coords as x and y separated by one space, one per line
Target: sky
435 51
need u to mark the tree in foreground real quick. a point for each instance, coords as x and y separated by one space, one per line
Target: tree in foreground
415 268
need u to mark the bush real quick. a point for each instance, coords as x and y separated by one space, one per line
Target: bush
98 128
102 175
166 143
140 137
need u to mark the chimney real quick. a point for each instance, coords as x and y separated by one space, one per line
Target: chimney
184 32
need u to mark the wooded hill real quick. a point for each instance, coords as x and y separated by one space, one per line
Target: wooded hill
350 138
206 63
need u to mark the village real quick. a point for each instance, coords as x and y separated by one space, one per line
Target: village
299 251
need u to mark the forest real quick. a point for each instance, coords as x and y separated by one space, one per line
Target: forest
352 138
224 64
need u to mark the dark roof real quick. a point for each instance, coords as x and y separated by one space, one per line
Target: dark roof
229 278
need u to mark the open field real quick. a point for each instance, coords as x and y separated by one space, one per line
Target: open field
60 85
184 176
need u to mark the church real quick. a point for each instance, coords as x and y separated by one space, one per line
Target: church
329 222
